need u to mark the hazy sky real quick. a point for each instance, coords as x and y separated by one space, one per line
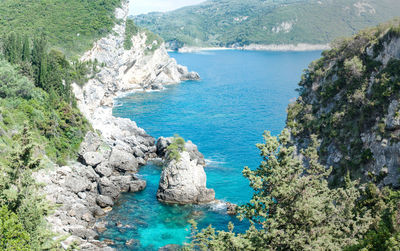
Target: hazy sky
144 6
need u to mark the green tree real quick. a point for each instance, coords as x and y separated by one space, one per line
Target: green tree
26 50
42 76
21 159
18 48
175 148
39 52
9 48
293 207
12 233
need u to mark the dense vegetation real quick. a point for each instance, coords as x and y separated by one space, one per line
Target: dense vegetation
238 22
39 121
293 207
300 203
70 26
39 124
39 92
346 94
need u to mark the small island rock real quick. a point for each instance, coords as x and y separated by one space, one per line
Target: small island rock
183 181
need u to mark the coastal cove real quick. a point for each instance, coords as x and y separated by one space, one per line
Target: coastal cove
224 127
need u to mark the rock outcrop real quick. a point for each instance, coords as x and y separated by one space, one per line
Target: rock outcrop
124 71
87 190
183 181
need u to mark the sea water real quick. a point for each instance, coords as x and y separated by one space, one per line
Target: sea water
240 95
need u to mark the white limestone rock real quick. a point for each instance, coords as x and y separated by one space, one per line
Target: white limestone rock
184 182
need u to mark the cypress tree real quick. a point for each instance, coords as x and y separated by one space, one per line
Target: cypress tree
38 55
18 48
41 80
10 46
26 50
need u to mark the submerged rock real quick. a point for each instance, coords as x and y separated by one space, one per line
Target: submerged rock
231 208
170 247
183 181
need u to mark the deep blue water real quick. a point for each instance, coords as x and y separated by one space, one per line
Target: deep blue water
241 94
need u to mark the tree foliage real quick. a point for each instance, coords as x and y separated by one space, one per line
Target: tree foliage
130 30
22 225
293 207
70 26
175 148
12 233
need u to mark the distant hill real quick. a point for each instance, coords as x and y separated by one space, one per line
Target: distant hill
243 22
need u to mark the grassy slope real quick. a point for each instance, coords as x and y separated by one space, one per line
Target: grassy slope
60 20
212 23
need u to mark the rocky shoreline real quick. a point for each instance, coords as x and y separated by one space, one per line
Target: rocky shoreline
260 47
110 156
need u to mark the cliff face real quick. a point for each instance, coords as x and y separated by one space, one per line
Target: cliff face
350 100
124 71
108 159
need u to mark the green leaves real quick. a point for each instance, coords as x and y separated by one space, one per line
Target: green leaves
12 233
292 205
175 148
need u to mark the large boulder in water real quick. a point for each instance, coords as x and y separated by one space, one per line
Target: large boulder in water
183 181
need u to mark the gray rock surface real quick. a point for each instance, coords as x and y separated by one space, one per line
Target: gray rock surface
184 182
92 158
84 191
104 201
104 170
231 208
123 161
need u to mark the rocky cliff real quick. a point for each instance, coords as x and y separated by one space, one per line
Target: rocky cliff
109 157
350 100
124 71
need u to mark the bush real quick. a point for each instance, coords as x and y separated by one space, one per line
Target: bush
175 148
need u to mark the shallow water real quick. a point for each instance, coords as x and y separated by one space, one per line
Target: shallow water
241 94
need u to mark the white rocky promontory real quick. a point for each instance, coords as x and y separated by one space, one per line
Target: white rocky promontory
183 181
124 71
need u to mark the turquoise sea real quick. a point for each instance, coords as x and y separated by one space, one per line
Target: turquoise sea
241 94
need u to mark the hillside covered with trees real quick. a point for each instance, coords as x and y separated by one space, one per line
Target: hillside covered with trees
238 22
40 123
